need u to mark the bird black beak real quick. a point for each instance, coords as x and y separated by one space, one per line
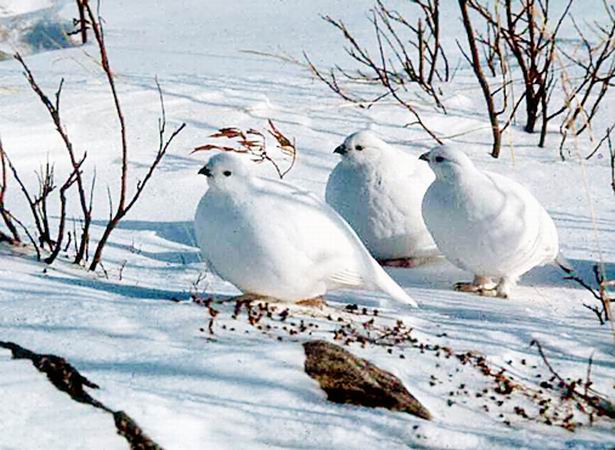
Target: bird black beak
205 171
425 157
341 149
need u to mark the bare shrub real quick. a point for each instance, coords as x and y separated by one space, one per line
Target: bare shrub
600 292
593 61
408 54
528 32
531 36
587 399
76 161
39 208
125 203
6 215
46 177
498 95
81 23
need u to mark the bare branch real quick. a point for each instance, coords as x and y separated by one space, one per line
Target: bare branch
482 80
600 293
126 204
407 54
54 112
598 402
72 178
4 212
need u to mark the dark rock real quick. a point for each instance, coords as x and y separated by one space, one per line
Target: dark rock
68 379
59 371
348 379
133 433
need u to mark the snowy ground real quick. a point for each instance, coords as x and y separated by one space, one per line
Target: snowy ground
137 335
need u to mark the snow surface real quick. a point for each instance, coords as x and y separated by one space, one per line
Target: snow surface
241 388
10 8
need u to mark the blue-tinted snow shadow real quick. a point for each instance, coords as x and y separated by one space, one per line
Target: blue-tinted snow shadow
178 232
439 304
177 258
551 275
442 275
497 318
251 91
308 410
583 223
122 290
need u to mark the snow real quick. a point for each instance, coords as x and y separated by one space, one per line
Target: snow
9 8
135 332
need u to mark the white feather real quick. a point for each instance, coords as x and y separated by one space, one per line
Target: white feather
272 239
484 222
378 189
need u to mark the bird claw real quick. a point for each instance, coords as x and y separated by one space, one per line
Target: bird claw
487 292
481 290
467 287
501 294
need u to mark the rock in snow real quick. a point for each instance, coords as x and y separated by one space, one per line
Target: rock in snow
348 379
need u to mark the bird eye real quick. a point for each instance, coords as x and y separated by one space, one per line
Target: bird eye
358 147
227 173
439 159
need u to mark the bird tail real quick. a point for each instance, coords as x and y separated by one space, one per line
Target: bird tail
387 285
564 264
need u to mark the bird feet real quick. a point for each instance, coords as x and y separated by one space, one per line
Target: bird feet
248 298
407 263
316 302
482 286
473 288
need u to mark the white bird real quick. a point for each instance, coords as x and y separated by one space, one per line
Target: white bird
486 223
271 239
379 189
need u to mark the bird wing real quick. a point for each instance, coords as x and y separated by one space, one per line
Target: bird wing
347 278
315 230
538 243
346 193
332 247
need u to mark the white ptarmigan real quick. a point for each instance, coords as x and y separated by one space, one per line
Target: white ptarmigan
379 189
486 223
271 239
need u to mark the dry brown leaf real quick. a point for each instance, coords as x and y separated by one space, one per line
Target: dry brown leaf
255 147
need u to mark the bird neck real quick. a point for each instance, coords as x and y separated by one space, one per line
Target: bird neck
374 164
465 179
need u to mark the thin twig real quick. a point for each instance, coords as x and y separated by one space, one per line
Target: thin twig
54 112
600 403
4 212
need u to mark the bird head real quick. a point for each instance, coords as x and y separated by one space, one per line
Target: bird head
447 163
225 170
361 147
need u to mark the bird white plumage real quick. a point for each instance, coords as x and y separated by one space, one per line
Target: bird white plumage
272 239
379 189
486 223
